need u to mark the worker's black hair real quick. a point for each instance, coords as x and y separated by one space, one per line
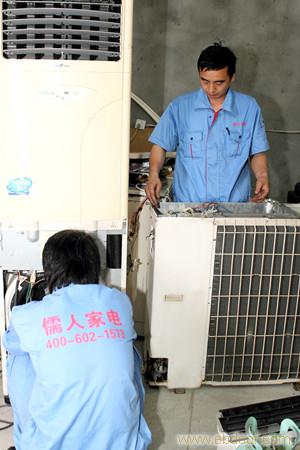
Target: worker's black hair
216 57
71 256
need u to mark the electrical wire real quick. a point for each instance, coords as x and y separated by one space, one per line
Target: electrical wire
15 296
132 236
28 293
7 423
18 279
156 117
151 113
283 131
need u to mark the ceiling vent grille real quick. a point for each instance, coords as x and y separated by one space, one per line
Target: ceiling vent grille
69 30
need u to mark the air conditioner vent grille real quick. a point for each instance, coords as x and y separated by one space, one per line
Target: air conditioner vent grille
62 30
254 330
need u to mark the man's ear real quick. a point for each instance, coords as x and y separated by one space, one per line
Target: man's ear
233 77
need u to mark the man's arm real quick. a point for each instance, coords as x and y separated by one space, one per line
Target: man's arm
259 166
11 341
153 188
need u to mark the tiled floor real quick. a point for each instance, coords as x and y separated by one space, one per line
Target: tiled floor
196 411
169 414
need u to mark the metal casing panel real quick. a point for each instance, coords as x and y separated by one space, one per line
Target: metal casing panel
178 309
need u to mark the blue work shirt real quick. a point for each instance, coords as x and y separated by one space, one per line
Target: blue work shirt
213 149
87 392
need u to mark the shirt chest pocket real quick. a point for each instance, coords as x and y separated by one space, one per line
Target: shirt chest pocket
236 142
192 144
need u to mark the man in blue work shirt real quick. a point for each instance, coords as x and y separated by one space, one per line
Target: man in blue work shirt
73 354
217 134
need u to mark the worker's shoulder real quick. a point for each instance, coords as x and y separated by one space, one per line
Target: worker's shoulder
186 98
116 300
244 99
118 295
102 292
21 312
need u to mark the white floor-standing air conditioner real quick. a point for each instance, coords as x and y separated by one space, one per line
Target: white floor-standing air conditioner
65 71
223 296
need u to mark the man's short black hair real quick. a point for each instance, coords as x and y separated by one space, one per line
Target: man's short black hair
71 256
216 57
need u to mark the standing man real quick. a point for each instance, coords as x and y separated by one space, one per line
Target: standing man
217 133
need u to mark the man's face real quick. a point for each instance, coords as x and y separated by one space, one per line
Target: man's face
215 83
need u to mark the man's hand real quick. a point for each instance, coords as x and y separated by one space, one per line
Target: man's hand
153 189
259 167
153 186
261 190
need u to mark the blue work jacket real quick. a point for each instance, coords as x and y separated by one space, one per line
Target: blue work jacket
86 389
213 149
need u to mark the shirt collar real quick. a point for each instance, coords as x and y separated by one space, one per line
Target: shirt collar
202 101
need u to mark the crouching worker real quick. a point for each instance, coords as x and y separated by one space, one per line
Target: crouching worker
74 353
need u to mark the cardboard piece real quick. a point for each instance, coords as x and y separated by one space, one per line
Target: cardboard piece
139 140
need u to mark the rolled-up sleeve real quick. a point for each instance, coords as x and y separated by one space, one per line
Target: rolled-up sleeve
11 340
165 133
259 140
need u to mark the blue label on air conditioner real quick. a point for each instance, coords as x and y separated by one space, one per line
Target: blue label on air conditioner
19 186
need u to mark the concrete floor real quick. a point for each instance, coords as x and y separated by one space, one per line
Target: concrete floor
169 414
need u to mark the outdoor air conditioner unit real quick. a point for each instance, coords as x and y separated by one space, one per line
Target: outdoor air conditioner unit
223 296
65 74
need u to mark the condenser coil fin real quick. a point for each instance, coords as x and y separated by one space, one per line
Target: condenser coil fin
254 330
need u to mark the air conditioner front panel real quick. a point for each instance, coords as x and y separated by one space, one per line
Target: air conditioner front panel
65 143
64 123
